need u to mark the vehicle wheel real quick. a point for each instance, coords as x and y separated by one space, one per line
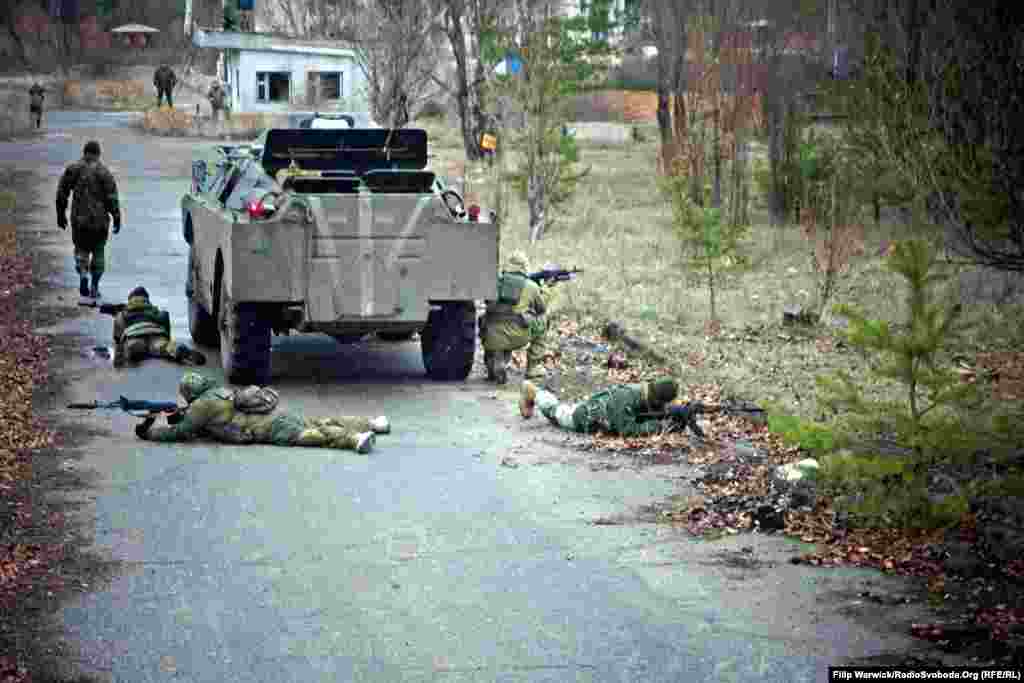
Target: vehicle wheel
448 341
395 336
201 325
245 343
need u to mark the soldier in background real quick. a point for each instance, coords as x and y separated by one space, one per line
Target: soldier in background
143 331
164 80
624 409
94 204
213 411
217 96
35 107
515 320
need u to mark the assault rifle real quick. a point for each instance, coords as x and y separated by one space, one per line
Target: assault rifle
737 408
554 275
136 407
106 309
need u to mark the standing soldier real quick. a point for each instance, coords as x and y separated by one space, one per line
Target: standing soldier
515 320
95 203
624 409
216 412
35 107
164 80
216 96
143 331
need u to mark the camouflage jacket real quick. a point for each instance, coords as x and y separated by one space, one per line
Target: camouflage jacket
95 195
621 409
164 78
36 94
213 415
140 319
216 96
520 307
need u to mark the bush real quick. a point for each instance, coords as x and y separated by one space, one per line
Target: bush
809 436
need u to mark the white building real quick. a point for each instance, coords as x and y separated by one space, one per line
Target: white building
275 74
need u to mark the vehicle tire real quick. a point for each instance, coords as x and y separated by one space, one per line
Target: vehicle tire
395 336
448 341
201 325
245 343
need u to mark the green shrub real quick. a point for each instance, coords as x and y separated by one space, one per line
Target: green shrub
809 436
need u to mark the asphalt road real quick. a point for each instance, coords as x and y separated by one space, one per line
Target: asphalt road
426 560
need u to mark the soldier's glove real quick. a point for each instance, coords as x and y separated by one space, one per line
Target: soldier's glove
62 221
176 417
142 429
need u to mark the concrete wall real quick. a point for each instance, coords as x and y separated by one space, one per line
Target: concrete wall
243 65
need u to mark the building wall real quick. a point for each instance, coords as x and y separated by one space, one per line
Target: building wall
243 65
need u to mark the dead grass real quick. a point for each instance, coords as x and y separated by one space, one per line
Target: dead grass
618 230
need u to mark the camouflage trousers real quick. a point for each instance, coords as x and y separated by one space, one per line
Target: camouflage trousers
161 93
89 251
571 416
36 116
318 432
136 349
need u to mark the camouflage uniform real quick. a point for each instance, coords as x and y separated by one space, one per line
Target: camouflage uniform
35 107
216 95
515 320
95 199
143 331
164 80
626 409
211 412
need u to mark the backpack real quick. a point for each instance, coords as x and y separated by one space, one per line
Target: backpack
255 400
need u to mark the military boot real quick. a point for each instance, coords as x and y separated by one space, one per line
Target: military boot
527 399
365 441
187 356
83 286
380 425
489 364
95 291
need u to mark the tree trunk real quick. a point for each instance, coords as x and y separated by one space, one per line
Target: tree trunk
716 192
776 200
536 200
465 101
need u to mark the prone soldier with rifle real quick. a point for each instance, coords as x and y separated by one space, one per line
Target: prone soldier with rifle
625 409
141 330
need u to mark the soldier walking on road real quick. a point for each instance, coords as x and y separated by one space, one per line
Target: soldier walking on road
516 319
35 107
164 80
216 95
625 409
217 412
143 331
94 204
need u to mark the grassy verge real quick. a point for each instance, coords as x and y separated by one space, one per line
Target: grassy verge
618 230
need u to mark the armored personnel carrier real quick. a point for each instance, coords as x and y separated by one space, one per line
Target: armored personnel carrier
339 231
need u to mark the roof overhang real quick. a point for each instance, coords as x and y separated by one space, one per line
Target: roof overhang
233 40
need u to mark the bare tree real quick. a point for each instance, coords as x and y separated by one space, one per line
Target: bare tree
471 27
397 50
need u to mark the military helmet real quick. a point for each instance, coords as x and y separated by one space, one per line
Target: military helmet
517 262
139 292
662 391
193 385
92 148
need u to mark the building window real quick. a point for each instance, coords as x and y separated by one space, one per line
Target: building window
330 85
273 86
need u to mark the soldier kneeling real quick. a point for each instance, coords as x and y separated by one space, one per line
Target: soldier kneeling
143 331
250 416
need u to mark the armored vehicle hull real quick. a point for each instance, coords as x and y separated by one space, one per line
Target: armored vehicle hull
335 231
